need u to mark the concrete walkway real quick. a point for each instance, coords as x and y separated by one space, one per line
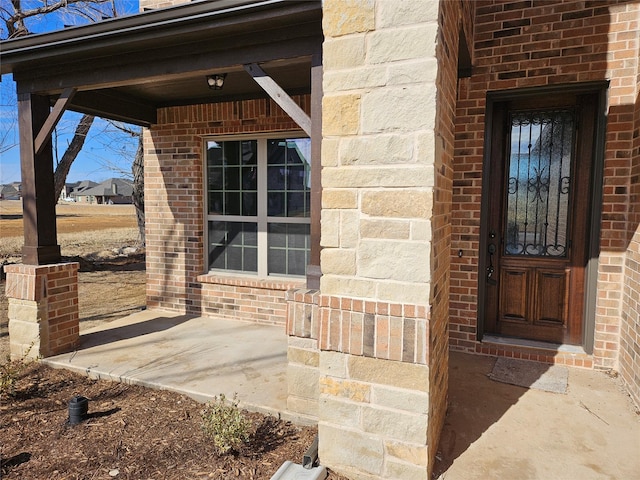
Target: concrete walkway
199 357
498 431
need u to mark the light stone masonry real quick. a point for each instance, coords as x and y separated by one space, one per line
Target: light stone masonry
345 52
352 79
340 261
420 70
336 198
393 260
398 203
341 114
398 109
385 229
342 17
377 150
417 42
384 176
407 12
350 451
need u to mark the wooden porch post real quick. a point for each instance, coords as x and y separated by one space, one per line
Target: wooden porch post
38 202
313 269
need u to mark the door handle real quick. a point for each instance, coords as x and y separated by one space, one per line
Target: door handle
491 249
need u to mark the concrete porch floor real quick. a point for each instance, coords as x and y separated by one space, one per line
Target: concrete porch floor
197 356
498 431
492 430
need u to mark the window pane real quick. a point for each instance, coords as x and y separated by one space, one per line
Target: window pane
288 252
277 262
250 204
297 262
232 177
232 203
275 206
215 203
288 176
232 170
276 178
233 246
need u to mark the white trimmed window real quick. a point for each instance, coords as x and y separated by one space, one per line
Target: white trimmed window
258 205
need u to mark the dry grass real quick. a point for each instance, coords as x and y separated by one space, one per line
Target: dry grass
82 229
86 231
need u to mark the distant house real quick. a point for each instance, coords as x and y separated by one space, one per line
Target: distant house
112 191
72 191
9 192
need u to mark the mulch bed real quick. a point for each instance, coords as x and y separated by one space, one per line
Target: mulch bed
131 433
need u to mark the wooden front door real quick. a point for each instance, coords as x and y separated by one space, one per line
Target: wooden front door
537 224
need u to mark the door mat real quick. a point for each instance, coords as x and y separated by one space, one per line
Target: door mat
540 376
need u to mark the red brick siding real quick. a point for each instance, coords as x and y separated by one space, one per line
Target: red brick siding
452 18
535 43
174 202
245 299
630 326
388 331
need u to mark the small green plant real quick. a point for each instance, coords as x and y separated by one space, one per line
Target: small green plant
224 423
10 371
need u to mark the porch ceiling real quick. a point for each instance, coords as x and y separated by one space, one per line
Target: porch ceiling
126 68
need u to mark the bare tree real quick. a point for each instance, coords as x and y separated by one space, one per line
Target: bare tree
15 17
70 154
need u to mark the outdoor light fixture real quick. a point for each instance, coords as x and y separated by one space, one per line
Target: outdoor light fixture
216 82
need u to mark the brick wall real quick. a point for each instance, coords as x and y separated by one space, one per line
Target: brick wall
43 309
535 43
630 325
259 301
174 209
452 18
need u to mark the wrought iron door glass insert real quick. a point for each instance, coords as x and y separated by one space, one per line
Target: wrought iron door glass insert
539 169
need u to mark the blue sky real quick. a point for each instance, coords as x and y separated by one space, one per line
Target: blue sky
105 154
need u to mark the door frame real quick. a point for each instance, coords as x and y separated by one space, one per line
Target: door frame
593 244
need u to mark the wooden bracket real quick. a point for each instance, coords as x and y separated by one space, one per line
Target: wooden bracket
279 96
54 116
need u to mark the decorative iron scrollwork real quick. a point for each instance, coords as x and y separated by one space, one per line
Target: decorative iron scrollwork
539 182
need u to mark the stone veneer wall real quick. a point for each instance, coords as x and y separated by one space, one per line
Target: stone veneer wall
385 245
43 309
528 44
174 210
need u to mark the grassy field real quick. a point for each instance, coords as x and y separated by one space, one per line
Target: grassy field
82 229
96 233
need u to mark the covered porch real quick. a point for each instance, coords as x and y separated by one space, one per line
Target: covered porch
267 57
501 431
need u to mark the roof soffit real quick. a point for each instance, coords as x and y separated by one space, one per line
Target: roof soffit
126 68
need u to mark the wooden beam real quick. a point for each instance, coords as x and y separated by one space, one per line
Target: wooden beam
113 105
54 116
38 197
280 96
314 271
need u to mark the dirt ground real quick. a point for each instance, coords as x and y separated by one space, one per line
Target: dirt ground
132 432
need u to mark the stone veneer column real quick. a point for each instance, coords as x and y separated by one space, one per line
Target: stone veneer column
370 352
43 309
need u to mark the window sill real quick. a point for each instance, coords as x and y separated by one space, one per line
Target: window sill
240 281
